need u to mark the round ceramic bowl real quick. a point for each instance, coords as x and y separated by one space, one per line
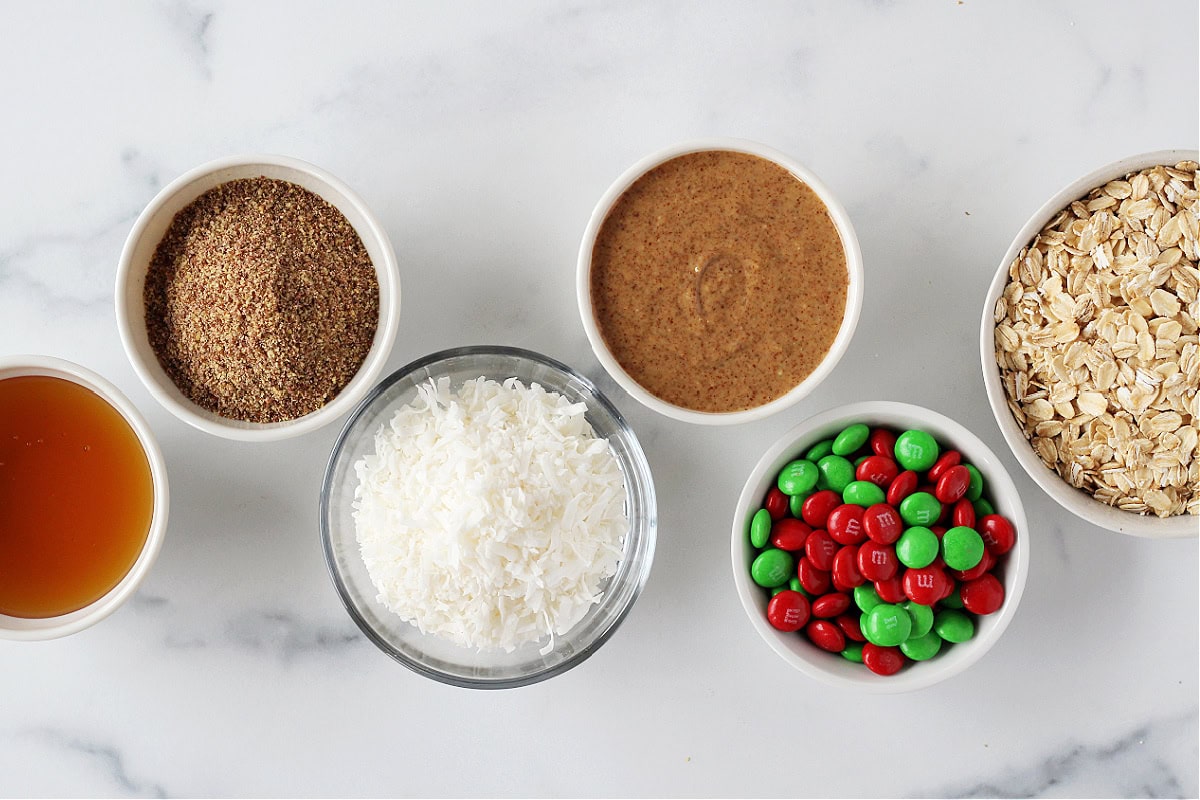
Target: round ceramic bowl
28 629
430 655
1074 500
831 668
148 231
854 289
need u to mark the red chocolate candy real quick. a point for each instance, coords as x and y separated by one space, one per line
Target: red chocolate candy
826 635
883 443
845 524
998 534
849 625
984 595
891 590
986 563
882 523
963 514
879 470
948 459
926 585
789 534
816 507
882 660
953 484
776 503
815 581
846 574
788 611
820 549
904 485
877 562
828 606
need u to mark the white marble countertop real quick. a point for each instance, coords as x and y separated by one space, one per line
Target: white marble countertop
482 136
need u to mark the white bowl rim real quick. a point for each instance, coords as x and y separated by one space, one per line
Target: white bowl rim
918 676
854 288
376 358
42 628
1073 500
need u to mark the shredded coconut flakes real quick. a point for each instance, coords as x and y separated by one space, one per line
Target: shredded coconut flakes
492 515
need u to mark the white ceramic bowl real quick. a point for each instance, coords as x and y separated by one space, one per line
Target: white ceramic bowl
148 232
1074 500
53 627
831 668
854 289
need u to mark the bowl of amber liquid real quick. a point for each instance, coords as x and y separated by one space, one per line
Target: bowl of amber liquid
83 498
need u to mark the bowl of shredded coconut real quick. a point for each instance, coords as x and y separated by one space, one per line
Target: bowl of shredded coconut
488 517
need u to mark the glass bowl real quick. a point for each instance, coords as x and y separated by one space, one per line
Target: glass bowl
430 655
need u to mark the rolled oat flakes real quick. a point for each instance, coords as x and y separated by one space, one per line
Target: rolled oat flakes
1096 342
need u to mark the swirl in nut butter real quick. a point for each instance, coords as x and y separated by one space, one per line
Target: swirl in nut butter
718 281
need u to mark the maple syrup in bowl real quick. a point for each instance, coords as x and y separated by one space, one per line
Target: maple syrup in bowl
83 498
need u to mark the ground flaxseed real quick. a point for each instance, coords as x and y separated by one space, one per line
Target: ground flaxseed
261 301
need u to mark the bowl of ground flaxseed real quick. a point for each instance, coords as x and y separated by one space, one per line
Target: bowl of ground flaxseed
257 297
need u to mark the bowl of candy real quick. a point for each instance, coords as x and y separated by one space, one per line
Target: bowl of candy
880 546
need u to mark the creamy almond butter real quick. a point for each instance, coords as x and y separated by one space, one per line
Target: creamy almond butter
718 281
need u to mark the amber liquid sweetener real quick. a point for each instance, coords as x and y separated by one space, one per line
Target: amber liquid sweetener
76 497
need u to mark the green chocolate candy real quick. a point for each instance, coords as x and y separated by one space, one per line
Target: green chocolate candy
851 439
837 471
794 585
862 493
922 618
953 625
865 597
916 450
797 477
920 508
760 528
954 599
819 451
796 503
772 568
922 648
982 508
975 487
917 547
887 625
962 548
853 652
779 589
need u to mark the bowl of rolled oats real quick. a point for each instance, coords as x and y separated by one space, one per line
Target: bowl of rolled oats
1088 342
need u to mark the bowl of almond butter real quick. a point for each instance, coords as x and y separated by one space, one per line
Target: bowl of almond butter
719 281
1088 341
